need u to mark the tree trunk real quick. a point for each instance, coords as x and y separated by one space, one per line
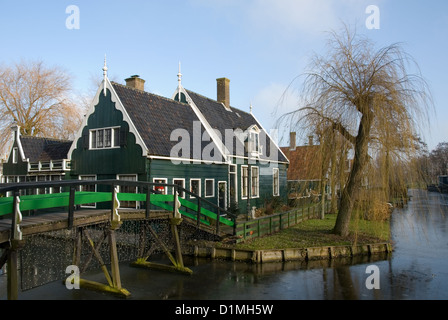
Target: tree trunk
350 192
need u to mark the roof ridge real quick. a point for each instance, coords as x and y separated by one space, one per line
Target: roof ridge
220 103
146 92
45 138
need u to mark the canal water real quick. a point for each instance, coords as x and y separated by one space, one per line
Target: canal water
417 269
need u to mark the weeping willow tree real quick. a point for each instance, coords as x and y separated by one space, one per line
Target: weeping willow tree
366 97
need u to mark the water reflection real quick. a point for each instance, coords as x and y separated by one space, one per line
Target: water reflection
417 269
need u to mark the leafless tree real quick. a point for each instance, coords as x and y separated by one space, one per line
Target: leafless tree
368 97
38 99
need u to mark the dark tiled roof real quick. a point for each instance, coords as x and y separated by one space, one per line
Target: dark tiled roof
44 149
156 117
221 119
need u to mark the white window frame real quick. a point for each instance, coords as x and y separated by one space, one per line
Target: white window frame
213 188
165 180
226 205
113 144
275 176
233 170
15 155
80 187
199 193
137 203
247 183
257 177
181 193
253 140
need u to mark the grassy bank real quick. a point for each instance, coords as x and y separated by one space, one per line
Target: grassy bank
316 232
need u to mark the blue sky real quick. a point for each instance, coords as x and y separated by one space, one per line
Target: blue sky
260 45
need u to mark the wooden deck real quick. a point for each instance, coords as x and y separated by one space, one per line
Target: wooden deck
57 221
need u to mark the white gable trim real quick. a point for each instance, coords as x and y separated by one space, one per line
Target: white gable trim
212 134
16 132
119 106
267 134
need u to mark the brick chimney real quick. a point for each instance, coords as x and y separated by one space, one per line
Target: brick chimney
310 140
223 89
292 141
135 82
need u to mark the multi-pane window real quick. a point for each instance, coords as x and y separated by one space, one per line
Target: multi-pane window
254 142
105 138
275 182
161 188
244 181
195 187
255 179
128 189
209 187
15 155
181 183
88 188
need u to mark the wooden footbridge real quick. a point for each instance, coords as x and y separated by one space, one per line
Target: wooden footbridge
15 227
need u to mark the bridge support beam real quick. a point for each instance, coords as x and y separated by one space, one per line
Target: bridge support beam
177 261
113 278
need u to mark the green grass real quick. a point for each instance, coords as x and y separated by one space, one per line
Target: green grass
317 232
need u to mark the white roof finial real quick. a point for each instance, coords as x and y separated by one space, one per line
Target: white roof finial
251 107
104 75
179 77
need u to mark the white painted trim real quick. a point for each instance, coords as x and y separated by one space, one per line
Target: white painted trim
186 160
96 178
165 182
242 181
183 185
200 187
275 193
226 201
211 132
250 182
205 188
259 159
275 143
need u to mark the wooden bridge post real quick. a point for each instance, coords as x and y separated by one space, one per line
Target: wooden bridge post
113 279
174 222
12 256
177 261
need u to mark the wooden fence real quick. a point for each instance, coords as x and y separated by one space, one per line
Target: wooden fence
267 225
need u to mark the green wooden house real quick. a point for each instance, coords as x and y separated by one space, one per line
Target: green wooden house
36 159
206 146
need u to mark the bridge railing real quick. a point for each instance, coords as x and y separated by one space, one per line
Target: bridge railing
199 209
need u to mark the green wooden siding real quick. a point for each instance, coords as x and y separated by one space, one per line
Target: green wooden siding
266 191
107 163
160 169
15 169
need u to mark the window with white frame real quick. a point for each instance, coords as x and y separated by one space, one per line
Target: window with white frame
244 181
275 182
255 182
128 189
195 187
209 188
181 183
160 188
105 138
88 188
15 155
254 140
